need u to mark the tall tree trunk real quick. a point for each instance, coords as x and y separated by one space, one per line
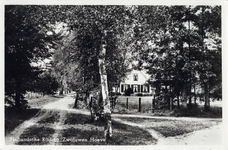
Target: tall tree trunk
189 57
18 93
167 97
206 97
184 96
61 90
76 100
209 95
178 100
190 96
86 99
195 94
171 99
153 104
104 90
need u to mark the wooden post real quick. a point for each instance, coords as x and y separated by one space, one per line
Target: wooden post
91 109
195 94
112 99
171 99
178 100
139 104
112 102
127 104
153 104
171 103
76 100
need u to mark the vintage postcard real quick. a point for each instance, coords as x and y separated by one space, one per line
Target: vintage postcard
132 74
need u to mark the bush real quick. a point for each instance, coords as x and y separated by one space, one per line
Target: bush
198 111
139 94
10 101
47 84
128 92
147 94
115 93
143 94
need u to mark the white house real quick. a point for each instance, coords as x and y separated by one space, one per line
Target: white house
137 81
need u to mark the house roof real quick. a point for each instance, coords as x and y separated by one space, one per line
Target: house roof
142 77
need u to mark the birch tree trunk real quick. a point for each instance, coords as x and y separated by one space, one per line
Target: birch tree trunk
104 90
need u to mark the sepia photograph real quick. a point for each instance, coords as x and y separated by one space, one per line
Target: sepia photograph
113 75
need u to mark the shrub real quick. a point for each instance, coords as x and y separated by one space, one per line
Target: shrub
198 111
139 94
128 92
115 93
147 94
10 101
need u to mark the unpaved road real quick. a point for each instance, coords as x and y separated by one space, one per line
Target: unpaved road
201 137
61 105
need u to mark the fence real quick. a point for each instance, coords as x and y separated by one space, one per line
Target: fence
135 104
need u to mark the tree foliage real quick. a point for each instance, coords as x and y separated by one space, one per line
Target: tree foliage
92 47
180 47
26 41
82 48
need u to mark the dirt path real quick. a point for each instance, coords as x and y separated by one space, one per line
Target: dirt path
61 106
58 127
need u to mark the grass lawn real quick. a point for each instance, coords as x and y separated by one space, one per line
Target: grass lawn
93 133
79 130
172 127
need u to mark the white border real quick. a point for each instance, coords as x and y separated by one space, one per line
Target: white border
223 3
116 2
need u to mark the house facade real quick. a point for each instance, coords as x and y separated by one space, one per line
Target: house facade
137 81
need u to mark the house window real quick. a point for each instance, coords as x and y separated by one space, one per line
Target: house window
124 87
135 88
145 88
135 77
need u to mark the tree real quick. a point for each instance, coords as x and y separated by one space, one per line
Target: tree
97 29
94 49
167 39
25 42
46 84
208 23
